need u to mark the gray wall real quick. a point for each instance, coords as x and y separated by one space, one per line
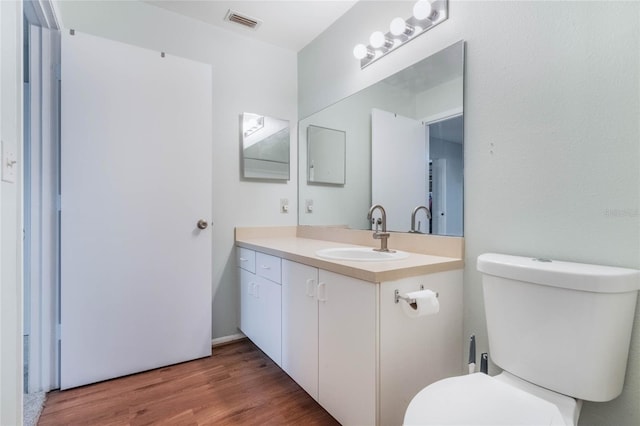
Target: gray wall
552 149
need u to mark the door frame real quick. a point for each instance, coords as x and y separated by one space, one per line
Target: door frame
437 221
41 176
439 216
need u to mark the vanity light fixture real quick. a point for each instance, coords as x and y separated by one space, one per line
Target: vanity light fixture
253 124
426 15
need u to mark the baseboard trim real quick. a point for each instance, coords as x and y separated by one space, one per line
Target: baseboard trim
225 340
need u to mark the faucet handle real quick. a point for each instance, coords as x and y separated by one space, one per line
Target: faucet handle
381 235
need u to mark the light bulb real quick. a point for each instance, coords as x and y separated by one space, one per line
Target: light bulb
398 26
360 51
422 9
377 40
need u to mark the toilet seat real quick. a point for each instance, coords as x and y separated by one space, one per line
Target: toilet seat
478 399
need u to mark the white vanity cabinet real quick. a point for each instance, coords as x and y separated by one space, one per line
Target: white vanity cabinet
346 341
329 340
261 301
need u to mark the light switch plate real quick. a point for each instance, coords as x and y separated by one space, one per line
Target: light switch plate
284 205
308 206
9 163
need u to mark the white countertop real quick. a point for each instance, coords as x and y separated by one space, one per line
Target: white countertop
303 250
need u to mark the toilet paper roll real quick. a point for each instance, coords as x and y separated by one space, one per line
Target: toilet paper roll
426 304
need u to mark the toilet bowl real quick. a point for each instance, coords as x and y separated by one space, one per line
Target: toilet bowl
543 333
479 399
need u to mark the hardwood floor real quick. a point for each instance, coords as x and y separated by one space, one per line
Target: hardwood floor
237 385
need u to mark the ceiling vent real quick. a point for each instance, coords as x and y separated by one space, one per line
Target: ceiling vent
244 20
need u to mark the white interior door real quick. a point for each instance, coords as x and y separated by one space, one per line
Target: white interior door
399 159
135 179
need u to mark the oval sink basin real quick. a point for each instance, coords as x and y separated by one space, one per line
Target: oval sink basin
364 254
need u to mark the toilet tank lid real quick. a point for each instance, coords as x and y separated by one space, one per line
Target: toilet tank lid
555 273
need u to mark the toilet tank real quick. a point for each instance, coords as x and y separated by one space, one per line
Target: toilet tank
560 325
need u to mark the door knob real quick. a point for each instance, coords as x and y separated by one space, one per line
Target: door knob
202 224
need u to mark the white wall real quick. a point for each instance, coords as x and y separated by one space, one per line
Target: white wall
10 216
446 97
248 76
552 149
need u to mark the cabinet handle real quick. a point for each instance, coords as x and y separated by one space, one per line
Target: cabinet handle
310 287
253 289
322 295
243 259
265 267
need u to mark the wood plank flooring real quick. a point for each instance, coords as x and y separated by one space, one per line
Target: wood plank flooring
238 385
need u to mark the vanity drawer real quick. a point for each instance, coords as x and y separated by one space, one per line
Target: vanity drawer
268 266
246 259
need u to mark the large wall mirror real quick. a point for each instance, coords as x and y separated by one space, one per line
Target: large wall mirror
403 149
265 147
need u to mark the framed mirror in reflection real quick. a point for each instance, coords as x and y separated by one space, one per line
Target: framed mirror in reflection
265 147
405 151
325 155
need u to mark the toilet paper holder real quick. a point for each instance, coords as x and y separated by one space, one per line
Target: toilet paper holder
398 297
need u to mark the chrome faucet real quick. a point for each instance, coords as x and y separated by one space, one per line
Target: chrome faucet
377 235
413 218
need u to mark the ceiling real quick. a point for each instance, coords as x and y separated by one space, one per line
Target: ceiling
285 23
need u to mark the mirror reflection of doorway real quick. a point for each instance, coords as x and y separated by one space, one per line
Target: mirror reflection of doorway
445 186
398 151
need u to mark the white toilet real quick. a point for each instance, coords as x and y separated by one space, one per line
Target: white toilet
559 330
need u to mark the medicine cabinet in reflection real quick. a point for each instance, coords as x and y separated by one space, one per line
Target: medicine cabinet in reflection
326 150
265 147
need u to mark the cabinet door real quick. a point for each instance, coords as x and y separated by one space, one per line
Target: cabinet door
347 348
248 305
300 325
268 337
260 313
